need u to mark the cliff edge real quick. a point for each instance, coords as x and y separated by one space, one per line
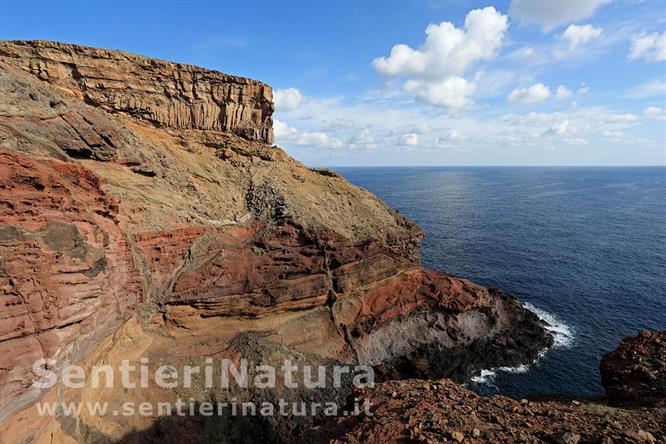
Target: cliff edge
144 214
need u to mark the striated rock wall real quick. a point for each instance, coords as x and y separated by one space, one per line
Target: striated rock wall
168 94
379 306
67 276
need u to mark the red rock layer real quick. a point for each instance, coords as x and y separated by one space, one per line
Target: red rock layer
67 278
255 270
379 305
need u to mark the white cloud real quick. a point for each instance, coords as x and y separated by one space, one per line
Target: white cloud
495 82
448 50
402 61
282 130
363 140
562 92
575 127
287 99
384 130
575 141
434 70
565 131
452 93
654 112
622 118
452 135
622 137
411 139
532 94
656 87
577 36
651 47
285 135
550 14
584 89
526 54
559 128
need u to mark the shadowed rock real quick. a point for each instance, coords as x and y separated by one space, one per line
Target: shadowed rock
635 371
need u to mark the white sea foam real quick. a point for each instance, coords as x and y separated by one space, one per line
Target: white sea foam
522 368
562 333
488 375
484 377
563 336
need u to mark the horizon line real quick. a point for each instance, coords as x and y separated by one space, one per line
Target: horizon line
487 166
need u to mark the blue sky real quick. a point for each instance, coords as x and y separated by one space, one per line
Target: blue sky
361 83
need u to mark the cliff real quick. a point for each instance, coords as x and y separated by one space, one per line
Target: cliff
171 95
145 215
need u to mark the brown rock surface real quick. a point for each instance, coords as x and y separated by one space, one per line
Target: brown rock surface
127 193
442 411
635 372
172 95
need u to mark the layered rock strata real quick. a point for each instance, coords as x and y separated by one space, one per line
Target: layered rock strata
67 277
145 215
172 95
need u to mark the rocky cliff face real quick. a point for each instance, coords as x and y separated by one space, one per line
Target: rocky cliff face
144 214
67 278
171 95
635 372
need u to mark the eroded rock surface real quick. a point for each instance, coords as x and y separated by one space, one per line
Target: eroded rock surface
67 276
442 411
169 94
635 372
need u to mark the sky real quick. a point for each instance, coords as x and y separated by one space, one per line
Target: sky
432 82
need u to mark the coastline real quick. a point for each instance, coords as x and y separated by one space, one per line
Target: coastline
156 223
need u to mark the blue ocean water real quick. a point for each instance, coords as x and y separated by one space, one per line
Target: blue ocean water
586 247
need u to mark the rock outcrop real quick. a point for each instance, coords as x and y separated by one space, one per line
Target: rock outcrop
442 411
145 215
172 95
635 372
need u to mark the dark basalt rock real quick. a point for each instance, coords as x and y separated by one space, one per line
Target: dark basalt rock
517 344
635 372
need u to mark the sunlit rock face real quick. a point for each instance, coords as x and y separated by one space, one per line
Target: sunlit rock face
67 276
172 95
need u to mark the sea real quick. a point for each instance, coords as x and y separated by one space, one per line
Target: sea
583 247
